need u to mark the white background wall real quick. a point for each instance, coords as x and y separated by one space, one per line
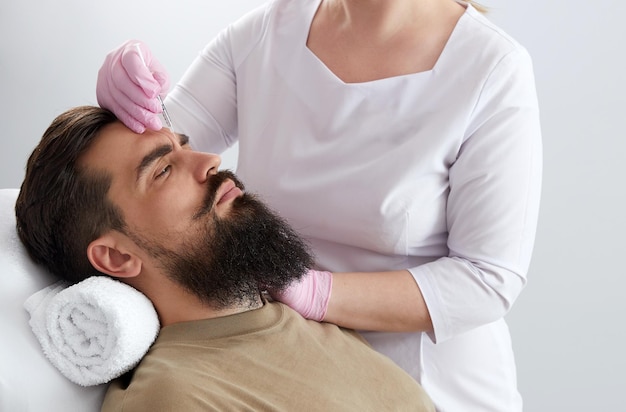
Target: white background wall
567 326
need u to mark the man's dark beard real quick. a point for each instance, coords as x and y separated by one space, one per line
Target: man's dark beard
233 258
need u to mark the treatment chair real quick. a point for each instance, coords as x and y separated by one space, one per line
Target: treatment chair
28 381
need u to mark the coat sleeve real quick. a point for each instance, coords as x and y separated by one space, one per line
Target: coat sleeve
493 206
203 104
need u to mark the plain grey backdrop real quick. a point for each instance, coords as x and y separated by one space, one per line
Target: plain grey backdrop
568 328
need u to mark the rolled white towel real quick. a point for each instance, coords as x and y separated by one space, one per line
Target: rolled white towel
95 330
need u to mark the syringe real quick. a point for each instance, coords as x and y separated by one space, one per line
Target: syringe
166 116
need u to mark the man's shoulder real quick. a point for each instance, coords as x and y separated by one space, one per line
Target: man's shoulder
147 394
273 353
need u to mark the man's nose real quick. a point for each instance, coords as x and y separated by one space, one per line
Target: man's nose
207 164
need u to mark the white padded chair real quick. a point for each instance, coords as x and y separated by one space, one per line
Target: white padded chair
28 381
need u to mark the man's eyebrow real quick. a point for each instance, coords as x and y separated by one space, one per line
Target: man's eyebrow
183 139
152 157
158 153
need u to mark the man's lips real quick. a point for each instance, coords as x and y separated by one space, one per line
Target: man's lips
227 191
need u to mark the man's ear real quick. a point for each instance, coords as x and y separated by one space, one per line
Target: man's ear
108 255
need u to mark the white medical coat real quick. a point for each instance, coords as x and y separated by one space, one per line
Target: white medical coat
437 172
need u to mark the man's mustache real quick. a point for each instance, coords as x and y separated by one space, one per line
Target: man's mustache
213 184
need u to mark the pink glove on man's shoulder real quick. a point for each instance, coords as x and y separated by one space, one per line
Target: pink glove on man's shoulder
129 82
309 296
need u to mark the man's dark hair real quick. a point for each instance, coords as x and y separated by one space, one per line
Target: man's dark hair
61 206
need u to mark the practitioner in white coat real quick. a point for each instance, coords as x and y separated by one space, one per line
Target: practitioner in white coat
402 139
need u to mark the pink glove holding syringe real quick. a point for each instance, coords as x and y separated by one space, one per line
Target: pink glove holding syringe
129 84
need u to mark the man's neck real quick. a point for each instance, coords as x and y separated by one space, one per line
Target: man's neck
191 308
175 304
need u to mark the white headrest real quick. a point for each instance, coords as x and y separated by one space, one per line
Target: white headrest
28 381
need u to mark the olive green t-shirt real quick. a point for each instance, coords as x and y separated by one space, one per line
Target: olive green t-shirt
269 359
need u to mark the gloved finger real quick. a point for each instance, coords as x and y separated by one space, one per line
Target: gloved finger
158 70
128 92
104 100
127 87
160 75
119 88
140 68
132 115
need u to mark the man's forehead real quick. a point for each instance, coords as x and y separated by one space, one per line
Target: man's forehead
117 132
118 141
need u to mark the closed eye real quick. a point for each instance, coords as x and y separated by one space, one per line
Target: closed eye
163 172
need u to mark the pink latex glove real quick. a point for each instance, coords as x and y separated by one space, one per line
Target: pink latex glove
309 296
129 87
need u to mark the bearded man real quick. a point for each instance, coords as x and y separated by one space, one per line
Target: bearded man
100 200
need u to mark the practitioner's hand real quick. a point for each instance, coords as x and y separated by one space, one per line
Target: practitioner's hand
309 296
129 82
